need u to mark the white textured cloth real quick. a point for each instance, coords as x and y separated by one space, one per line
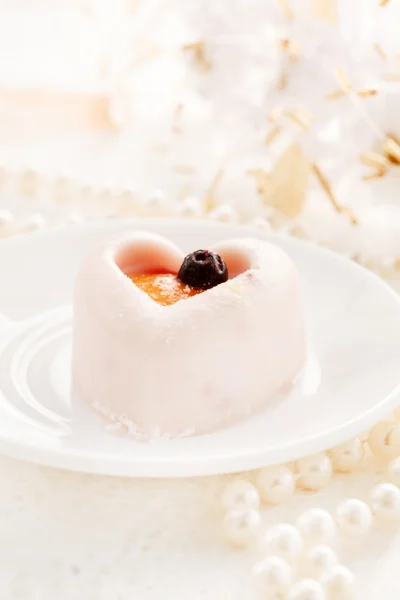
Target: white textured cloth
81 537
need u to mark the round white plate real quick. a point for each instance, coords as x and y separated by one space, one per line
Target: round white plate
351 379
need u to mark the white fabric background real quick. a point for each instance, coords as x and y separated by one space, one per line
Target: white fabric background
81 537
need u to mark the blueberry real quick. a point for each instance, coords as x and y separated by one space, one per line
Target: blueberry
203 270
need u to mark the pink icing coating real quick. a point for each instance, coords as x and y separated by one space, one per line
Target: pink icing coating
200 364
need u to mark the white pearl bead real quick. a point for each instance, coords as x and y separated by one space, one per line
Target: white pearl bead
5 217
276 484
156 200
339 583
353 516
282 540
61 189
242 525
34 222
384 440
271 575
314 471
384 500
126 201
260 223
240 493
75 218
316 526
346 457
394 471
29 182
191 207
307 589
318 559
4 174
224 212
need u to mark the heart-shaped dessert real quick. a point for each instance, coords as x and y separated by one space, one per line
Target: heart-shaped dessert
172 345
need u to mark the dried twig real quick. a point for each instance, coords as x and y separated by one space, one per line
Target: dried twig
286 9
209 199
326 9
300 117
380 51
199 52
373 159
283 80
376 174
391 149
328 190
335 95
272 134
275 114
384 2
291 48
342 80
176 118
296 120
394 137
345 87
366 93
392 77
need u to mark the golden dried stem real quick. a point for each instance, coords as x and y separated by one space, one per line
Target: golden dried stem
291 48
209 199
366 93
275 114
391 149
377 174
283 80
392 77
342 80
394 137
272 134
326 186
301 118
286 9
373 159
199 53
326 9
384 2
380 51
305 115
335 95
176 118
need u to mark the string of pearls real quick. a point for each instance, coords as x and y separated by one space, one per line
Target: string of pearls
90 199
298 560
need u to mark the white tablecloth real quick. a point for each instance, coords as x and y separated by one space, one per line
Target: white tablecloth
72 536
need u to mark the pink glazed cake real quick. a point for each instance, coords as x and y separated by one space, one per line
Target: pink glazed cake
171 345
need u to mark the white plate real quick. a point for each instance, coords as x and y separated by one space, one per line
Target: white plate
351 379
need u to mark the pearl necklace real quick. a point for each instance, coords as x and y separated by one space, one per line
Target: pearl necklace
79 200
297 561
